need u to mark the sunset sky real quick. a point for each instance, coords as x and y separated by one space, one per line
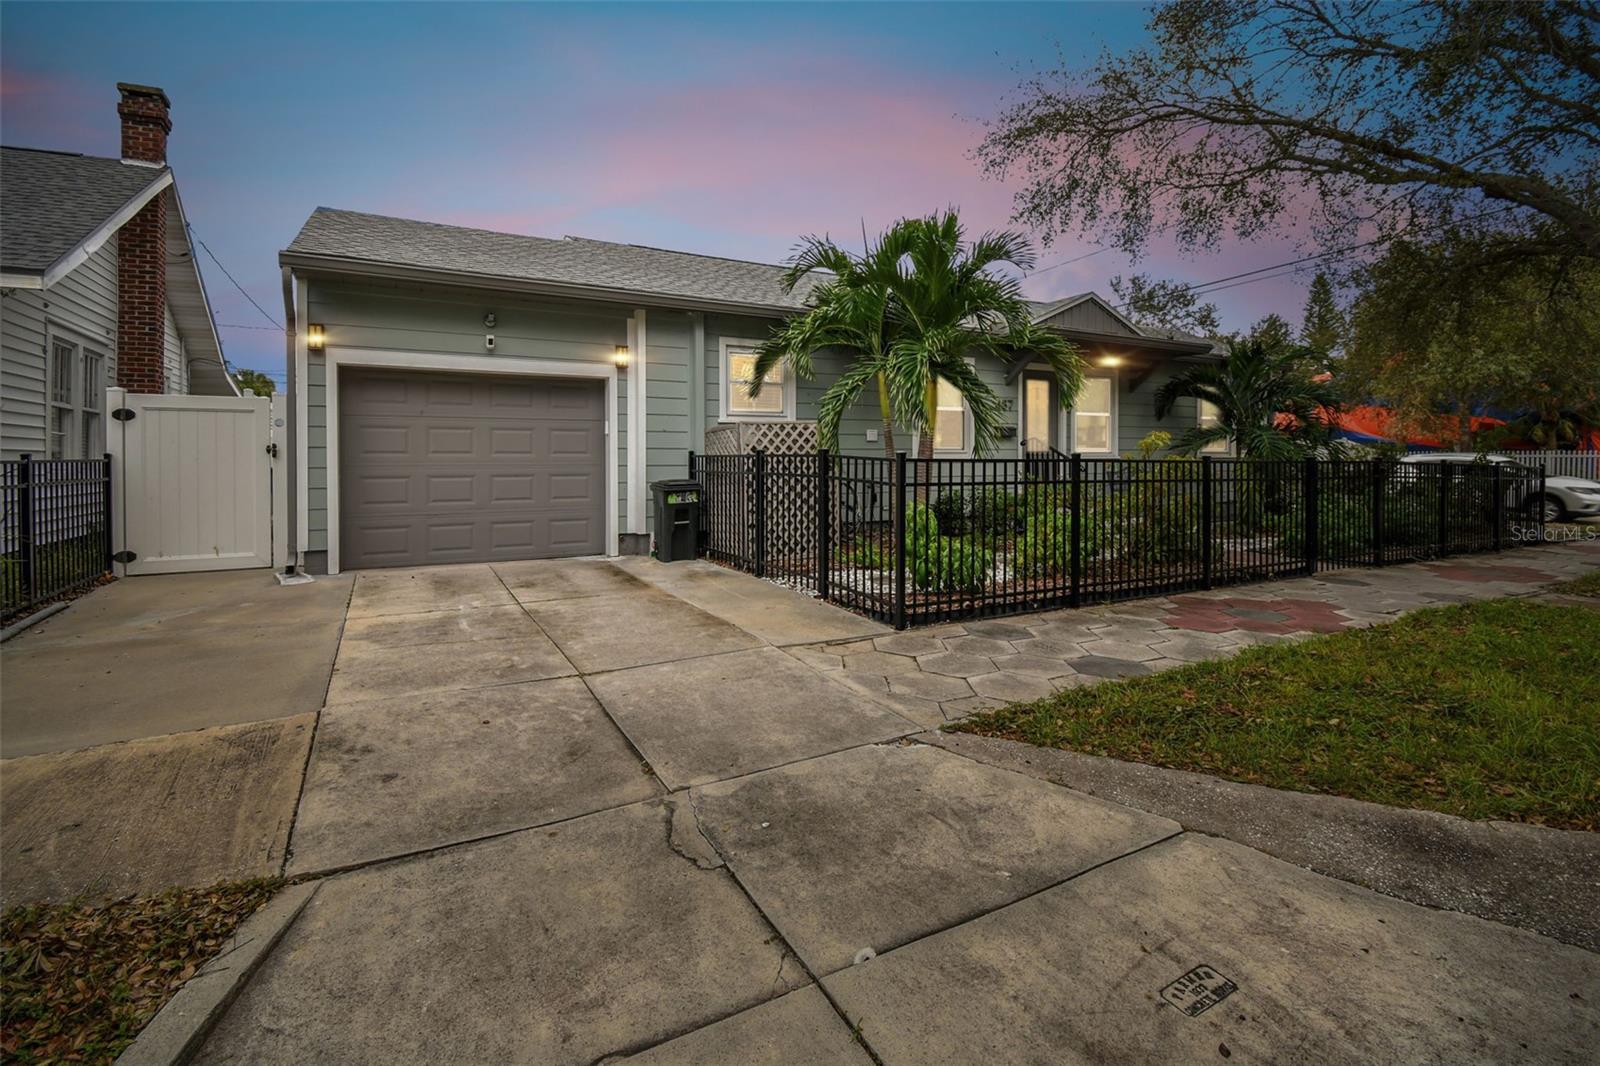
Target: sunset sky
726 129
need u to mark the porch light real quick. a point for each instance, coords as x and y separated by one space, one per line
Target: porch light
622 357
1111 360
315 337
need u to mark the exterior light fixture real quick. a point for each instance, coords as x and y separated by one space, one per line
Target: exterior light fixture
622 357
315 337
1111 360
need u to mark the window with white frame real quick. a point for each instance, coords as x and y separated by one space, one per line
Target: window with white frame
1207 416
76 401
738 370
1094 423
949 418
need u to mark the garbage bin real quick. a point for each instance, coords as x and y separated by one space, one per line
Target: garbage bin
677 519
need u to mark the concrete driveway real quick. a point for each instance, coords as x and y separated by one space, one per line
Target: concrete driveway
586 811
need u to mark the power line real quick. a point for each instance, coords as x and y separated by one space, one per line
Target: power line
235 325
1066 262
235 281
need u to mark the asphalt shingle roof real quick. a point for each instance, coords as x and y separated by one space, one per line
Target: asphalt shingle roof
51 201
571 260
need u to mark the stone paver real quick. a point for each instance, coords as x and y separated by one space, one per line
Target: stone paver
876 846
1011 687
953 664
1317 971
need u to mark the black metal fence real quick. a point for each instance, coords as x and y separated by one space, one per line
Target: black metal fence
55 528
911 542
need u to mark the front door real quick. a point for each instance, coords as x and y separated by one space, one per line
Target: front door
1041 413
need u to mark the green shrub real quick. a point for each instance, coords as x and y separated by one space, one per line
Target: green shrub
922 527
867 555
949 564
952 510
994 510
1344 527
1042 497
1045 547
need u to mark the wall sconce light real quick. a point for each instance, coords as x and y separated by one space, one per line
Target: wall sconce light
622 357
1111 360
315 337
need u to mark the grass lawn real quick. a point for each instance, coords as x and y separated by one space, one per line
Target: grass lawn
1587 585
78 982
1485 710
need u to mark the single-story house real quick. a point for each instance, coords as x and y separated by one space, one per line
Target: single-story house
465 395
98 287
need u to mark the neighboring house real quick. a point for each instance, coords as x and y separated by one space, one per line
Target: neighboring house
98 287
466 395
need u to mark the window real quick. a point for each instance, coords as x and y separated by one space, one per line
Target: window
76 401
1206 416
949 418
1094 417
738 369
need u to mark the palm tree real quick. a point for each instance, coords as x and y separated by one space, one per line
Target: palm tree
1269 401
912 309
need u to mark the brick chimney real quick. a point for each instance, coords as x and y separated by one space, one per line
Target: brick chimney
142 248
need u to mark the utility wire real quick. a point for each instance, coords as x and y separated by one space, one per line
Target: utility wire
235 281
235 325
1066 262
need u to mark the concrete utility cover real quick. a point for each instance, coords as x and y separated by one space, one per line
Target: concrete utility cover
188 809
390 777
644 626
1325 973
556 945
706 719
801 1028
874 847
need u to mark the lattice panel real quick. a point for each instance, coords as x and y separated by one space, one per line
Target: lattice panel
742 438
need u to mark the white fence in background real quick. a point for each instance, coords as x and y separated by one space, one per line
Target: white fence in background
1565 464
197 482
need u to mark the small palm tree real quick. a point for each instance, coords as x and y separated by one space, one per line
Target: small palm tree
1269 402
911 310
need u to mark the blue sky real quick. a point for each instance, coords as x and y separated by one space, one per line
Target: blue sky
728 129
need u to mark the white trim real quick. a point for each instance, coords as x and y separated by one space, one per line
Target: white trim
91 244
1227 445
334 358
116 447
725 388
302 420
638 420
21 281
1113 437
279 474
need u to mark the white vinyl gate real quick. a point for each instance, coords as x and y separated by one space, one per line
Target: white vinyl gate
197 482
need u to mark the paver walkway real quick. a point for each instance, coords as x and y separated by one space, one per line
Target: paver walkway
579 812
943 673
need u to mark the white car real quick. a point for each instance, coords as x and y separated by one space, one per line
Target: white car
1564 497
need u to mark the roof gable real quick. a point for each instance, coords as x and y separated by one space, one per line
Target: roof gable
1089 312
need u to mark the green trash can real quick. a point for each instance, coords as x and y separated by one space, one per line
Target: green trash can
677 519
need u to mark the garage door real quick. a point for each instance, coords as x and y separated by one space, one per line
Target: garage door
451 468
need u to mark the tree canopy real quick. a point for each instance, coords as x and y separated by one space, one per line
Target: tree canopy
1165 305
254 380
1366 117
1322 324
1269 403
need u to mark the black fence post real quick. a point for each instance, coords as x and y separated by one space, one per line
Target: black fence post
105 511
25 524
1075 566
899 540
1442 534
1207 524
1499 507
1376 466
1542 488
824 521
761 511
1313 523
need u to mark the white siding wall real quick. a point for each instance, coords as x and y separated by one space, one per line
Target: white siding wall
82 306
177 368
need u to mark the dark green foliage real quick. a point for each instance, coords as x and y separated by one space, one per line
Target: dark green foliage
950 564
994 511
952 510
1045 546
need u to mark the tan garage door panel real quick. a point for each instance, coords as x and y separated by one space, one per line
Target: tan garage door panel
453 468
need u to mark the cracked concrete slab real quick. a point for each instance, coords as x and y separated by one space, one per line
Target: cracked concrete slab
552 946
390 777
616 632
1130 964
798 1029
705 719
873 847
144 815
427 588
438 627
1546 880
368 671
